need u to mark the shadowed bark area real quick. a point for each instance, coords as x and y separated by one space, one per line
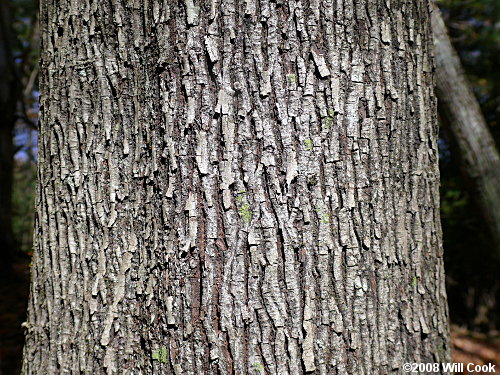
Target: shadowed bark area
461 113
236 187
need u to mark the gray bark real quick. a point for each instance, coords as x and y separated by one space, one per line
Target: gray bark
236 188
462 115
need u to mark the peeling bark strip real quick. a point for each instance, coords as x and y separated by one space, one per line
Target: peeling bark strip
236 187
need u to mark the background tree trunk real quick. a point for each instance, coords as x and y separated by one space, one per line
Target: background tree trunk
461 113
237 188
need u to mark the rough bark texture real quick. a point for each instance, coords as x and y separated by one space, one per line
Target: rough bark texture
236 187
8 99
461 113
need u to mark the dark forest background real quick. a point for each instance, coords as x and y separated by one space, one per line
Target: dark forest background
472 261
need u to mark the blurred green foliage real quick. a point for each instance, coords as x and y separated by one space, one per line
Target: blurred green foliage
25 50
25 13
23 203
471 259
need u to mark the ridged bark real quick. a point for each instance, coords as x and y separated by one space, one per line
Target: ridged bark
236 187
461 113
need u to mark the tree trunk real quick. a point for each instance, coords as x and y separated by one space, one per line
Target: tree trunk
461 113
8 99
236 188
